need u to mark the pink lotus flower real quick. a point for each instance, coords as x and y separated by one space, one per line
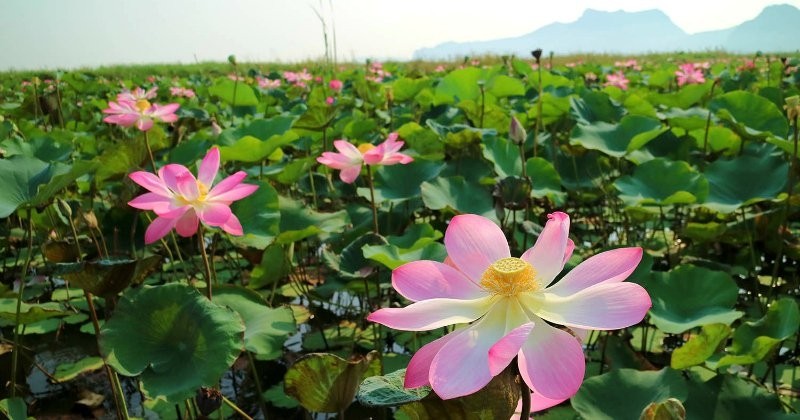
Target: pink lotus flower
689 74
350 158
617 79
329 100
181 91
268 84
298 79
140 113
509 303
336 85
137 94
182 201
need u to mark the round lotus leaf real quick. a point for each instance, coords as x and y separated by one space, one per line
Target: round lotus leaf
174 337
759 174
662 182
388 390
749 114
690 296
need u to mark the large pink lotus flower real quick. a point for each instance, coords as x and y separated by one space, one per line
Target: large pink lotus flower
510 303
617 79
181 201
689 74
350 158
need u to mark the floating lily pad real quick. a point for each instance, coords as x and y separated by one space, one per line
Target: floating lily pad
754 341
29 312
690 296
68 371
172 336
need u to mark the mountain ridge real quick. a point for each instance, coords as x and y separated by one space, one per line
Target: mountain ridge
597 31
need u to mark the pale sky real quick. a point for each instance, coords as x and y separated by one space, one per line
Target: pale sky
75 33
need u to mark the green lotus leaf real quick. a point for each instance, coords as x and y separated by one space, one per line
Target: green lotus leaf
422 140
388 390
662 182
505 156
30 182
108 277
700 347
43 148
749 114
685 97
260 217
497 400
690 296
757 175
174 337
351 263
14 408
69 371
728 397
631 133
754 341
266 329
392 256
298 221
233 93
274 266
502 86
29 312
582 171
459 85
625 393
545 179
326 383
671 409
720 139
457 194
399 183
405 89
594 106
555 106
251 149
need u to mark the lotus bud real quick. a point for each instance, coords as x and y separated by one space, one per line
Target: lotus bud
232 59
792 108
208 400
64 207
90 219
537 54
516 132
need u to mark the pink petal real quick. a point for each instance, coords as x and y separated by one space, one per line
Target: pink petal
144 124
473 243
233 226
420 280
419 368
551 362
228 183
505 350
538 403
236 193
338 160
432 313
187 186
170 173
348 175
158 228
209 167
547 254
461 367
214 214
151 201
187 224
605 306
347 149
606 267
125 120
151 183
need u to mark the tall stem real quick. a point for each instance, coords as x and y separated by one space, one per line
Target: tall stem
372 201
113 379
525 395
539 104
785 213
23 278
257 381
150 152
206 265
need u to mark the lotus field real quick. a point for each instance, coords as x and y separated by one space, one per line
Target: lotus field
591 238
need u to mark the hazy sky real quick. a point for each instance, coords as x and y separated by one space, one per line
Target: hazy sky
74 33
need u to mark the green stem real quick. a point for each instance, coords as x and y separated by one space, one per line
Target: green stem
17 332
785 213
236 408
257 381
539 104
525 395
150 152
372 201
206 265
113 379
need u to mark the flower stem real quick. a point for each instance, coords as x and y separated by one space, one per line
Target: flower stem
372 200
113 379
150 152
539 105
17 332
257 382
236 408
206 265
525 395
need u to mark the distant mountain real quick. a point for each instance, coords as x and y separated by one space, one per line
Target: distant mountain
775 29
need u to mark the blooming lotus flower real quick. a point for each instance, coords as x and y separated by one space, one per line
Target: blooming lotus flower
181 91
510 303
689 74
350 158
137 94
336 85
617 79
268 83
182 201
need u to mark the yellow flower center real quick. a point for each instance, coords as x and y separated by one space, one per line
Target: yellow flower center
201 197
366 147
509 277
143 105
